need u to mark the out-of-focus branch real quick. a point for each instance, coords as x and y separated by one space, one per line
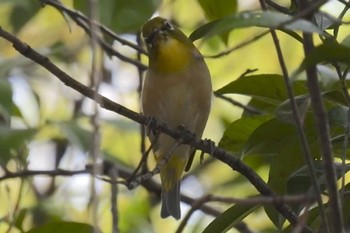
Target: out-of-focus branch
85 24
179 134
296 115
323 130
52 173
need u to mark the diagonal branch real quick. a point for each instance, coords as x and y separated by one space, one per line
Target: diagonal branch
323 130
180 134
299 123
85 23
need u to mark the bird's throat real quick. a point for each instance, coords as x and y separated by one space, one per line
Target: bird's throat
171 56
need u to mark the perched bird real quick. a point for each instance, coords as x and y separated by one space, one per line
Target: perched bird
177 91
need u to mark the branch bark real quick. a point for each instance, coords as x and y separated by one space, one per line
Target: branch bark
323 128
180 134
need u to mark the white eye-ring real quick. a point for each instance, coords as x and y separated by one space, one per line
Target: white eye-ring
168 26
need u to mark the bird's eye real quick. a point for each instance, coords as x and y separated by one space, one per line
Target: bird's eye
168 26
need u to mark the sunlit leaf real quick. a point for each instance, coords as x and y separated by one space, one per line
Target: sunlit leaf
284 111
325 21
299 181
122 16
6 104
229 218
238 132
338 116
13 139
262 142
254 19
266 87
20 218
66 227
219 8
22 12
328 52
76 134
313 216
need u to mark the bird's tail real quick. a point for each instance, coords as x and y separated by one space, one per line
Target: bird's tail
171 202
170 175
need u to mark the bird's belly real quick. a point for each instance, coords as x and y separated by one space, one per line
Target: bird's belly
176 107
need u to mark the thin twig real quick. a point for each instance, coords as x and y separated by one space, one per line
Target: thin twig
277 7
85 23
323 131
239 46
52 173
186 137
95 79
238 104
340 17
195 205
164 160
299 123
262 200
76 15
113 174
143 160
347 4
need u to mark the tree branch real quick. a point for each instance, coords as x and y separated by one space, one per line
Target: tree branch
323 130
299 123
185 136
85 23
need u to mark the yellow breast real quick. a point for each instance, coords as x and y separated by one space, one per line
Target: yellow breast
172 56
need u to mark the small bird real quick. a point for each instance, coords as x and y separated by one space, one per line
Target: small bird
177 91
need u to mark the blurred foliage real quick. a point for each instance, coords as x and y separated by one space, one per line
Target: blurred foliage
44 125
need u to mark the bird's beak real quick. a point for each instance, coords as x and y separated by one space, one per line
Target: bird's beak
149 39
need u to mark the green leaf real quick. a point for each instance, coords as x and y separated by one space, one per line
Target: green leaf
269 137
283 140
328 52
6 104
59 227
229 218
22 12
313 219
346 202
299 181
20 218
13 139
284 111
238 132
346 41
274 135
269 88
338 116
259 105
218 9
122 16
288 159
335 96
76 134
265 19
325 21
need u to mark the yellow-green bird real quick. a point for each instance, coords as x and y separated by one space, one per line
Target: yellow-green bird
177 91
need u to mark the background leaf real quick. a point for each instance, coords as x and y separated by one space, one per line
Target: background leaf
229 218
266 87
328 52
238 132
122 16
22 12
13 139
66 227
253 19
